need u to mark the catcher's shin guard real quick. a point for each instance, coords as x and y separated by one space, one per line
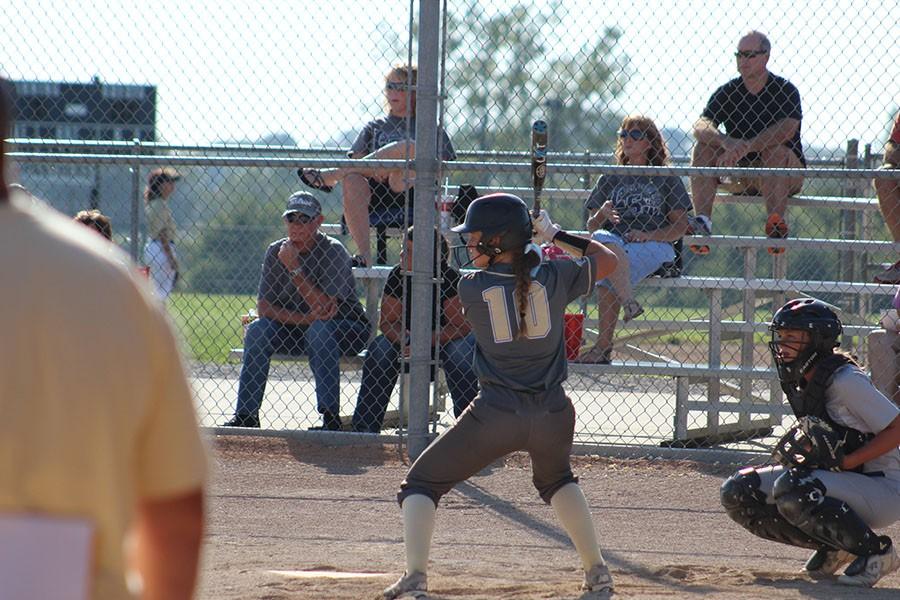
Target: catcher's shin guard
801 499
746 504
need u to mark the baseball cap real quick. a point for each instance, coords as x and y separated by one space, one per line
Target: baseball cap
303 202
163 175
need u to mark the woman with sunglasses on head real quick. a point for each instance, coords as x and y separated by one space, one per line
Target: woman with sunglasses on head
637 217
392 137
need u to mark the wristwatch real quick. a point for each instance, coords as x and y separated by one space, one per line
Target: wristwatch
297 271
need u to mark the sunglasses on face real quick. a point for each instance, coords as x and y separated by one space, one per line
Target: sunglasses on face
749 53
298 218
635 134
396 86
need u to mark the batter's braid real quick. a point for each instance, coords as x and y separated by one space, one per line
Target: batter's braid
522 264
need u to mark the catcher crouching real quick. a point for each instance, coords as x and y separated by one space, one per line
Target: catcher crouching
838 476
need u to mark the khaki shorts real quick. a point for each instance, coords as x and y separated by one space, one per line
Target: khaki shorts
750 186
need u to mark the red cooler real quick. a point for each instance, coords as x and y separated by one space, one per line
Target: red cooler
574 324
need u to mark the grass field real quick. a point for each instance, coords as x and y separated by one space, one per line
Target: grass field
209 324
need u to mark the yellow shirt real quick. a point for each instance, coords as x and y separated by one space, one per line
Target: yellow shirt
159 219
97 412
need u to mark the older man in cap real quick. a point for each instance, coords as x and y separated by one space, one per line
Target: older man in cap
307 304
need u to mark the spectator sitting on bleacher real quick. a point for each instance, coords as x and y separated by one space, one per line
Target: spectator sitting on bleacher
369 191
888 191
761 113
457 344
637 217
307 303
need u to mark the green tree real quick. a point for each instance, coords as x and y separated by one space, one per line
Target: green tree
503 72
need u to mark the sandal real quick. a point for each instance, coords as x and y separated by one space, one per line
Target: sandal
595 356
631 309
313 178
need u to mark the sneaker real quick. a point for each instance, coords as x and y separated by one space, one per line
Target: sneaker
330 422
631 309
866 571
413 585
598 580
243 421
776 228
699 225
826 562
890 276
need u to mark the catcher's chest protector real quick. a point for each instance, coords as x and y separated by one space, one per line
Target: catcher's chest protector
810 401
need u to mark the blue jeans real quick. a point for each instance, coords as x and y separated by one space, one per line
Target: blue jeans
323 341
382 368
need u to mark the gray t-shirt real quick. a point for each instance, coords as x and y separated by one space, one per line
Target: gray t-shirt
327 266
643 202
538 362
381 132
852 401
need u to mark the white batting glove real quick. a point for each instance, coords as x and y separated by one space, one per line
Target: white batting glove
544 228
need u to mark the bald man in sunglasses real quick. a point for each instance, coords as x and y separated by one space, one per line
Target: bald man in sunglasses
761 115
307 304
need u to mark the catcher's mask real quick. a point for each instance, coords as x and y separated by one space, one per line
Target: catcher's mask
823 328
503 215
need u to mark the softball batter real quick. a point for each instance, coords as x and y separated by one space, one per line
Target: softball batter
515 305
831 501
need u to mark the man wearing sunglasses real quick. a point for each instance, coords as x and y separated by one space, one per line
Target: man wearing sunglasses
761 114
307 304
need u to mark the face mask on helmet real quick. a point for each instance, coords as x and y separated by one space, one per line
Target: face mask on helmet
803 331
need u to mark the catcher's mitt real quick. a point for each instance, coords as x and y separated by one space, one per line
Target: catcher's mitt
813 444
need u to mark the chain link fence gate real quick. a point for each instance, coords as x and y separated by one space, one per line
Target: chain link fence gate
237 97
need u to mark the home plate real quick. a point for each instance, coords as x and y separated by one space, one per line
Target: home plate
326 574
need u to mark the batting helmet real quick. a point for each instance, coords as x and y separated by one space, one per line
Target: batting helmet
816 318
498 214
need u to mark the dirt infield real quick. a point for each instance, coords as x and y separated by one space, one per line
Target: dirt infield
290 520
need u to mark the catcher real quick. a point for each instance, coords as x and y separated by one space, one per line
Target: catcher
839 475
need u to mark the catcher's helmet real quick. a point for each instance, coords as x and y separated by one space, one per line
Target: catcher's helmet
498 214
824 328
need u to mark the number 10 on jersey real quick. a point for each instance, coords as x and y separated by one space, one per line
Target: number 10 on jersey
537 313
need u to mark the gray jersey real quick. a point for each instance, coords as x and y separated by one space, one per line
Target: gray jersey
537 362
326 265
851 400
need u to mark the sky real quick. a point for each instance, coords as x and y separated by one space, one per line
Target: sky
239 70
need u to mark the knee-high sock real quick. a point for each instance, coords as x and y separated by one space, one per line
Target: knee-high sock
572 510
418 525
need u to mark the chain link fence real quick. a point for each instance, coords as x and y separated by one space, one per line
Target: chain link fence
186 125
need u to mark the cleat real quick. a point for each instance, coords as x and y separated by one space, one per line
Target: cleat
866 571
414 585
777 229
598 580
699 225
826 562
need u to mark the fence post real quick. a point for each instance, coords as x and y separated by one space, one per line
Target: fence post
848 224
426 163
135 200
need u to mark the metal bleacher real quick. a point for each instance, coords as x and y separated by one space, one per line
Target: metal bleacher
730 387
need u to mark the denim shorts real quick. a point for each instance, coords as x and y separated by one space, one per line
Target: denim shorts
644 258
